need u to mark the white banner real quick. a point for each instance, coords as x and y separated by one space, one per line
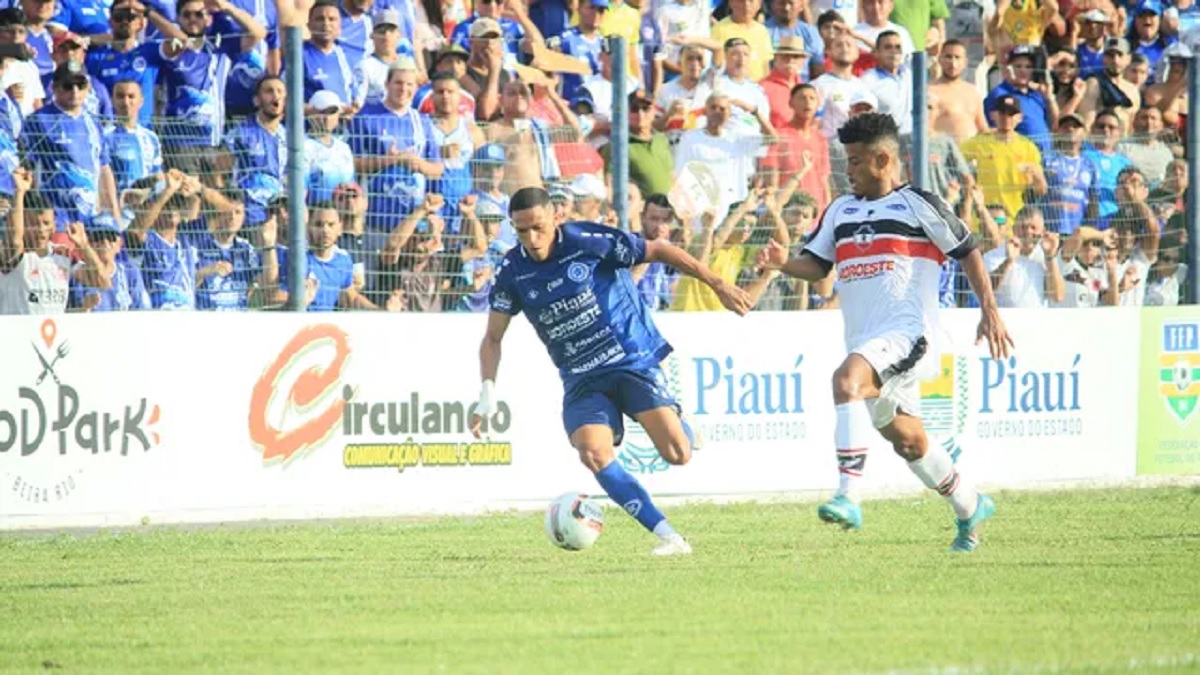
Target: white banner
200 417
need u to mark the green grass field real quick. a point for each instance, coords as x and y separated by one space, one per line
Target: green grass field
1084 581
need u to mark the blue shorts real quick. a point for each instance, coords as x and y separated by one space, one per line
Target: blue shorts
607 397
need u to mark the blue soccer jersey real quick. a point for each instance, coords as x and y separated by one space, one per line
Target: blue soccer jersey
326 167
169 271
513 34
396 190
10 131
587 50
259 163
1072 184
583 303
331 72
140 64
1108 167
248 67
229 292
134 154
67 153
127 292
332 276
195 84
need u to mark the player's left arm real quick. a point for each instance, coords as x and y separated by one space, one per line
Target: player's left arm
489 366
952 237
733 298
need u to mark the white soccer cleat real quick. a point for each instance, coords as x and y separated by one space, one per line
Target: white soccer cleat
672 544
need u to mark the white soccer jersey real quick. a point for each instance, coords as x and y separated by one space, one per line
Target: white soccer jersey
888 254
36 285
1084 284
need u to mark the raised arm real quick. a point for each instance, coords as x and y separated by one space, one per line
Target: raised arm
733 298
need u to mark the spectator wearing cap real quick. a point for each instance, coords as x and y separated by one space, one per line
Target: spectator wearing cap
124 290
1147 36
395 151
875 21
169 258
486 75
458 136
785 23
71 47
742 24
133 150
1008 165
583 42
1109 162
1109 90
128 57
800 156
38 14
1090 47
488 169
329 162
451 59
385 48
327 64
590 197
787 70
1038 111
510 18
64 144
193 64
1071 179
22 80
1144 148
891 81
651 165
752 110
679 104
357 35
256 149
560 201
838 85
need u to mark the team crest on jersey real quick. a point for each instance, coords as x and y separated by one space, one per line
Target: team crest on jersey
863 236
577 272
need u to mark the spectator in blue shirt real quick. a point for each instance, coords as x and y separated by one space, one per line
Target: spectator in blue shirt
125 289
330 282
329 163
85 17
39 13
169 259
1070 179
257 149
385 47
134 151
584 42
1146 35
65 146
11 124
226 264
127 57
249 66
785 21
395 150
328 65
1038 111
1103 154
195 69
71 47
512 31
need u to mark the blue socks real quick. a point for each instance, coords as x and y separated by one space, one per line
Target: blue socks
625 490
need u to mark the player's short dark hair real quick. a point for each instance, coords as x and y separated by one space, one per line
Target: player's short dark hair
1130 171
827 17
323 3
36 202
442 76
660 200
528 198
869 129
954 42
180 3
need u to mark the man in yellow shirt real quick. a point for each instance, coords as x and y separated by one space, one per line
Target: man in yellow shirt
741 24
1007 165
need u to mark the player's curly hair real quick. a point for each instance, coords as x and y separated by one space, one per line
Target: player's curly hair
869 129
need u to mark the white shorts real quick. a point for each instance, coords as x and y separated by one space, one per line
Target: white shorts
897 359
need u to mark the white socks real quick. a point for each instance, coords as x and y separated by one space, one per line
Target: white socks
852 433
663 530
936 470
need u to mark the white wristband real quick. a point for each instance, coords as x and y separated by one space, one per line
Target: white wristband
486 405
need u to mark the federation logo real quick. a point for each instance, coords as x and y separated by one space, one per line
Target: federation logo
1179 369
577 272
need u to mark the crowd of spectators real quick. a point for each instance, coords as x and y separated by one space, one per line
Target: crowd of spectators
145 155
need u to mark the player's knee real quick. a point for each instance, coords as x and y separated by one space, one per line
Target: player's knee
909 450
846 386
595 457
677 452
908 440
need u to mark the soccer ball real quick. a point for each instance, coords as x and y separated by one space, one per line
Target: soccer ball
573 522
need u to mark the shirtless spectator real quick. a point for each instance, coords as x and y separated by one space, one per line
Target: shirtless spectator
1170 96
958 107
526 142
1108 89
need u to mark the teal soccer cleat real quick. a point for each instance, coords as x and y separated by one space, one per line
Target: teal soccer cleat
967 539
841 511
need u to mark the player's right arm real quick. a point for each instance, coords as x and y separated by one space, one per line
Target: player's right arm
815 262
489 365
